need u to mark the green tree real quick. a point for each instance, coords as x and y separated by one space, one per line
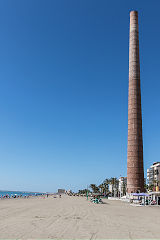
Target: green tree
115 183
83 191
94 188
106 186
101 187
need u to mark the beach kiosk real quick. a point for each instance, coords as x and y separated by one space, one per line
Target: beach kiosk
140 198
155 198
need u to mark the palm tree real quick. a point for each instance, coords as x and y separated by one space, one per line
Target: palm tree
101 187
83 191
114 182
124 186
94 188
106 185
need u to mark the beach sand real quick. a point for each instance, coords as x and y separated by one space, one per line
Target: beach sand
76 218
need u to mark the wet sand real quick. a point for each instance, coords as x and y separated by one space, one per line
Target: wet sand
76 218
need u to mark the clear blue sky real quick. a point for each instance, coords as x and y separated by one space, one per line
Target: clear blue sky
64 87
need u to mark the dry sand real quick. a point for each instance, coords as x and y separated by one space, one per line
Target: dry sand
76 218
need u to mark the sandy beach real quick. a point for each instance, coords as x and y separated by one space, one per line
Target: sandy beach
76 218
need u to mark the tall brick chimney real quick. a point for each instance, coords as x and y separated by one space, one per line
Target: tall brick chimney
135 172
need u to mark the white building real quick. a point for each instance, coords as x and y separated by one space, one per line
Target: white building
110 188
61 191
69 192
153 175
122 186
113 188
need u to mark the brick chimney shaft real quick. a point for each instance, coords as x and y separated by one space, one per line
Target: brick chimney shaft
135 172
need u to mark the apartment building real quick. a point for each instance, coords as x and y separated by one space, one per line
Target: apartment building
153 175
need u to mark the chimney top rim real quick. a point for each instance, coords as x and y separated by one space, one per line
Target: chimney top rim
134 12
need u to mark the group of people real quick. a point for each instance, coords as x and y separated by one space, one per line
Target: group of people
96 199
7 196
54 196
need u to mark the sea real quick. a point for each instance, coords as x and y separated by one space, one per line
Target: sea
18 193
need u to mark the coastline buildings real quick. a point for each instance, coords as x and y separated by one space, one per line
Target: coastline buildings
113 187
69 192
135 172
61 191
122 186
153 175
118 187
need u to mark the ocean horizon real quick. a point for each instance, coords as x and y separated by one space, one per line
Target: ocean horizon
18 193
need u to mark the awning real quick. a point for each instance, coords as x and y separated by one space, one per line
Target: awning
140 194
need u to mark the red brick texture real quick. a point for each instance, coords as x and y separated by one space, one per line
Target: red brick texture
135 172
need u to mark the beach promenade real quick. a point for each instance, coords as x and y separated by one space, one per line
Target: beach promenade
76 218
